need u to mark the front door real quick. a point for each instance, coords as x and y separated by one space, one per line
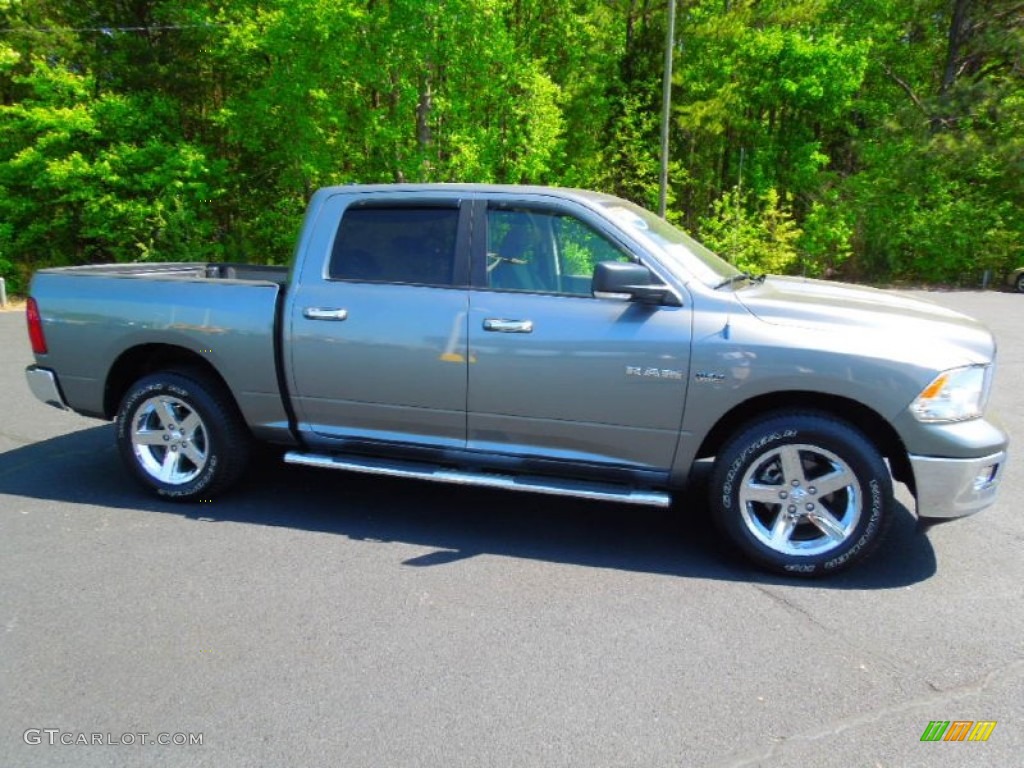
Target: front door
556 373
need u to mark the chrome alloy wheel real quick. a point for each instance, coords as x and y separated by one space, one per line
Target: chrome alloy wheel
800 500
169 440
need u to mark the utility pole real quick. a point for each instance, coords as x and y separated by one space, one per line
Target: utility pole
666 106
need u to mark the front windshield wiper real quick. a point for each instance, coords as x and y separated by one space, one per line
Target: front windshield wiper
738 278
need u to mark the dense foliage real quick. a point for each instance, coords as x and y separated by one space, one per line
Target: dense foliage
882 139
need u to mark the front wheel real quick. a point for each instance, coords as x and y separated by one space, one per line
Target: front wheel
801 493
1019 283
181 436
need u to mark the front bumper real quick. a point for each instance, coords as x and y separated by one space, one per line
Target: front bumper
43 383
949 488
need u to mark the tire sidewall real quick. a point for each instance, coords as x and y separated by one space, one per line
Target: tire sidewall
838 438
196 398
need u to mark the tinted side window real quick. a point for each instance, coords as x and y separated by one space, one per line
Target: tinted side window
396 245
580 248
519 251
544 251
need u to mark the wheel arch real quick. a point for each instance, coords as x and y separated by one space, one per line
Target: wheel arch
874 427
136 362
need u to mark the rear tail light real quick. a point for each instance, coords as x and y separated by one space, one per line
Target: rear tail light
35 327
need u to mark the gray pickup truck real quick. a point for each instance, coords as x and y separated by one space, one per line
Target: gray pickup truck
533 339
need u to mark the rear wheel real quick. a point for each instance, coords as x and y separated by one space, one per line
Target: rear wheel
181 436
802 493
1019 283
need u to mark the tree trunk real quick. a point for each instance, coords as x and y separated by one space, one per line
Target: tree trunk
958 31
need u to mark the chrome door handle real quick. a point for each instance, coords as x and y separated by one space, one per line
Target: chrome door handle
508 326
319 313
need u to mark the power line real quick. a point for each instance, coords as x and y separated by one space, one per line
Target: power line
109 31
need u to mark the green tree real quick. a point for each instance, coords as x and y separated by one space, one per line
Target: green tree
96 178
936 182
762 240
762 92
889 135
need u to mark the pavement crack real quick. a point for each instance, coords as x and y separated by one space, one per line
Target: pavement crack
893 666
927 701
793 607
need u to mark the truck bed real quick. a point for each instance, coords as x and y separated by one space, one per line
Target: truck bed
183 270
225 315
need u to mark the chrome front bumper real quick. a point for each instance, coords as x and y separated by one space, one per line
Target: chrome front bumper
948 488
43 383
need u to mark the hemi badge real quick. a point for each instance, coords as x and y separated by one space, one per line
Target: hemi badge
707 377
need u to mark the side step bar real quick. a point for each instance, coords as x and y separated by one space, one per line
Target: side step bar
412 470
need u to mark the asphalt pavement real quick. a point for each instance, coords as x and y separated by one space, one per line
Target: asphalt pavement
312 618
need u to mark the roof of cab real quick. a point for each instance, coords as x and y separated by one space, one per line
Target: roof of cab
481 190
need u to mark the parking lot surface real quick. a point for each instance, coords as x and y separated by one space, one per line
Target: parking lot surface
321 619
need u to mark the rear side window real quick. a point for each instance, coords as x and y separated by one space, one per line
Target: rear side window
396 245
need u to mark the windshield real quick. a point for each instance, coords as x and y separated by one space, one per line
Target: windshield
681 249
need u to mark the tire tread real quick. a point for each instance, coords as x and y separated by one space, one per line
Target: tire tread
803 420
222 417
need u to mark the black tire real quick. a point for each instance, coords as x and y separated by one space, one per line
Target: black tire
765 494
1019 283
181 435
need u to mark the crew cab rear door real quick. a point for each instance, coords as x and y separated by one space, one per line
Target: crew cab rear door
555 373
376 348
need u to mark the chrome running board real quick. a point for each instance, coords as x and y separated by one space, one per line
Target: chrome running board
579 489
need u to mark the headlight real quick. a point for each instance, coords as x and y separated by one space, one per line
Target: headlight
955 395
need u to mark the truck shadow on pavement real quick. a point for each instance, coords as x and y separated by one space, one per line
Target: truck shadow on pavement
84 468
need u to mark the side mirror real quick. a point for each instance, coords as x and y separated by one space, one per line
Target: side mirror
635 282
